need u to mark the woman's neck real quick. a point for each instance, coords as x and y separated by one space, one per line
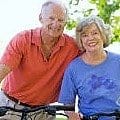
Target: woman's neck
94 58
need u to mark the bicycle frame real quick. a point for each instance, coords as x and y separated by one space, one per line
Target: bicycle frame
96 116
50 109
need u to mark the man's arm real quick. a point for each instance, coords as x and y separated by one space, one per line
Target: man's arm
4 70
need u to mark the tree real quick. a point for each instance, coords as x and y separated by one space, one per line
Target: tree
106 9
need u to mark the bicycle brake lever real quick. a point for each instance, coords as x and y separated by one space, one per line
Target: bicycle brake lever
3 111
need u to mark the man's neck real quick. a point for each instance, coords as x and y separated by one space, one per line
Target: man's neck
47 39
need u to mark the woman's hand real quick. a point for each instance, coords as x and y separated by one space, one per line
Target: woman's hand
73 115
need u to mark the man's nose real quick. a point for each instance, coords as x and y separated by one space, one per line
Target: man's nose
56 22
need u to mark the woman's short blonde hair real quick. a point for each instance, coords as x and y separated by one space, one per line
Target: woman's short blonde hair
105 29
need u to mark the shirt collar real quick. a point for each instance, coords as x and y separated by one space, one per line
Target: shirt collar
36 38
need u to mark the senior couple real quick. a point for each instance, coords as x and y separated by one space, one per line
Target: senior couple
43 65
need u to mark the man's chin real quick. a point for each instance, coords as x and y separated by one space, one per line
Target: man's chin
55 35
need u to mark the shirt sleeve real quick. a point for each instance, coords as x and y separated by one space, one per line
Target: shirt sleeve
68 90
14 51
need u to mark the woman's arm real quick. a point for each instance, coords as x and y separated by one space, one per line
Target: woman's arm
73 115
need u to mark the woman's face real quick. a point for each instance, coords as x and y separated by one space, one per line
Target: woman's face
91 37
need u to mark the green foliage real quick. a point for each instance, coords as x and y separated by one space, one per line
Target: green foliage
116 30
70 24
87 12
106 10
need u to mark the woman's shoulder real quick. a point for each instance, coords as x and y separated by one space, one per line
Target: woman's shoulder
114 56
75 62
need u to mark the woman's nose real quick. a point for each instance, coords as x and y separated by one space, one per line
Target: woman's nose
90 36
56 21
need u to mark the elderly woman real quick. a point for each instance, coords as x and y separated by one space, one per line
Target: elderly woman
95 75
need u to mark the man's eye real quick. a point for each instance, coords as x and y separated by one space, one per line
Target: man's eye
61 20
51 18
84 35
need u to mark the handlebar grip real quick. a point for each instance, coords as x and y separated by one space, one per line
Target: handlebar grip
65 108
60 107
52 109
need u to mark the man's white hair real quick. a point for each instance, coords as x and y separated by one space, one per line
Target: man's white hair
59 2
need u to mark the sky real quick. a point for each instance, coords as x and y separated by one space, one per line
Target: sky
15 16
18 15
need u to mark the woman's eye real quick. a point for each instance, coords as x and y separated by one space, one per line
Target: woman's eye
94 33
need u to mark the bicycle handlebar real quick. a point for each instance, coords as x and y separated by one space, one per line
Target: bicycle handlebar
51 109
96 116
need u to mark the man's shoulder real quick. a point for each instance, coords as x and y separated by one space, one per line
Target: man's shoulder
29 31
69 39
24 36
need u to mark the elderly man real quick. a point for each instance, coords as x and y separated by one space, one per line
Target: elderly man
33 63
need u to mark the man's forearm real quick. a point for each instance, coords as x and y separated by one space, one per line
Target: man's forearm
4 70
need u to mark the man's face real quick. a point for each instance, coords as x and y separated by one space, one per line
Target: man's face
53 19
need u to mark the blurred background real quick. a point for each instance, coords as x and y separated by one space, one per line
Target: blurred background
18 15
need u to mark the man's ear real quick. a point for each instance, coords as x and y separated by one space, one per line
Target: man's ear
40 17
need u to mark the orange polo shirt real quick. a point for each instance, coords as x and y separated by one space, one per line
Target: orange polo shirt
33 79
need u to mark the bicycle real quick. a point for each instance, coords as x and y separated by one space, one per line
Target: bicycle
50 109
96 116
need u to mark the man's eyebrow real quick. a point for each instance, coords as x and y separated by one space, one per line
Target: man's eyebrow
82 32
